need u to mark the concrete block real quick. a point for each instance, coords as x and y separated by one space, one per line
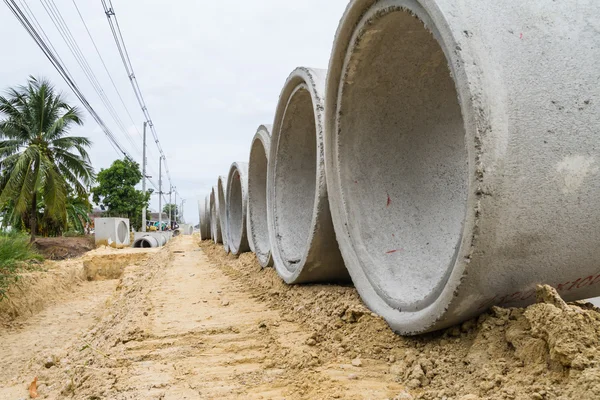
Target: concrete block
113 232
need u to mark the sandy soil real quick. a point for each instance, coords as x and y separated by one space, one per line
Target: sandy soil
189 322
60 248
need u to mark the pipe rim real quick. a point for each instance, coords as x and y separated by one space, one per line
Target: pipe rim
222 193
238 169
262 245
307 79
357 14
207 219
215 223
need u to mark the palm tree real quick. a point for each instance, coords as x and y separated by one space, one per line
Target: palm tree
37 158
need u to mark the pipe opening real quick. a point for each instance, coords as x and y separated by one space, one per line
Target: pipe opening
402 159
235 209
122 232
295 177
257 208
142 243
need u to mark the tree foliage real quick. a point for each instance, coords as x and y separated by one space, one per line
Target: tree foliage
38 160
172 211
117 193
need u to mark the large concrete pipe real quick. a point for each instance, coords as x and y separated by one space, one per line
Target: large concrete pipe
147 242
301 233
462 154
237 202
258 232
222 195
211 197
215 219
205 219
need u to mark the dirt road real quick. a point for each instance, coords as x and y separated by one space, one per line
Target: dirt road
193 323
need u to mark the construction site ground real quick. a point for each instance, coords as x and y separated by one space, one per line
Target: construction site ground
189 322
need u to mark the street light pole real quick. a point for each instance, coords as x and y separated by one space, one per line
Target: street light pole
144 180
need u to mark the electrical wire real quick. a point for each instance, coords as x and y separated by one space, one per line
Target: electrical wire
69 39
122 48
47 49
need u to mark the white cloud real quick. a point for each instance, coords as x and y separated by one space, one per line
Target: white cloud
210 71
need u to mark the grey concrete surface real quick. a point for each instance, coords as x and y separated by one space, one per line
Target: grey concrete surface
147 241
222 194
113 232
161 237
462 154
258 232
215 216
204 210
301 235
237 203
187 229
211 197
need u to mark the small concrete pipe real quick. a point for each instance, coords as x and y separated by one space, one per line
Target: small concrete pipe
161 239
146 242
222 195
237 203
215 219
462 154
258 232
301 235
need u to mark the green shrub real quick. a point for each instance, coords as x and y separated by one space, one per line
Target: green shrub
16 255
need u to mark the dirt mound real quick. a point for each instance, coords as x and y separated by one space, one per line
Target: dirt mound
550 350
60 248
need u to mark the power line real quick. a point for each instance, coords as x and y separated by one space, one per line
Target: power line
110 77
61 69
69 39
122 48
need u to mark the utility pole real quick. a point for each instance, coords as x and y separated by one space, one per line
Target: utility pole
171 207
144 179
176 210
182 201
160 193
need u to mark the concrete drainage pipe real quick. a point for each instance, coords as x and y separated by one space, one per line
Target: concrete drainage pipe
301 233
462 155
215 223
205 219
211 213
222 195
237 202
146 242
258 232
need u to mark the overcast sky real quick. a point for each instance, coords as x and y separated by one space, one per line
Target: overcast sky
210 71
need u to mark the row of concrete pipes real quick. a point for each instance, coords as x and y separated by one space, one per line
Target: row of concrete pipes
447 161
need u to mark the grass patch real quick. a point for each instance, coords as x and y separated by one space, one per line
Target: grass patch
16 255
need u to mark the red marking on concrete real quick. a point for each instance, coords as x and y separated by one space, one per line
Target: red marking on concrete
391 252
522 296
521 35
389 201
